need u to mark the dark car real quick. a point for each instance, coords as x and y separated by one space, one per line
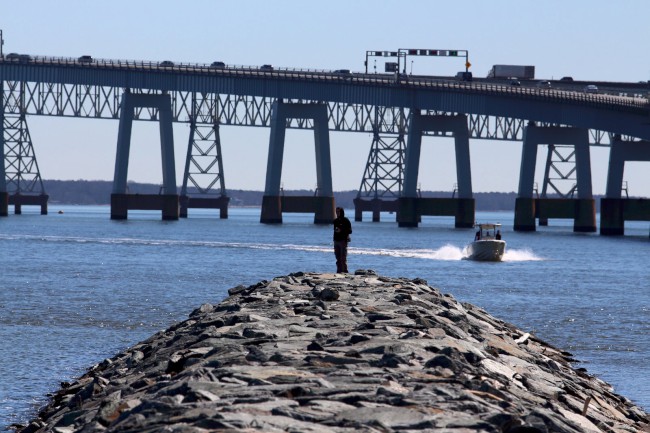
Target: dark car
217 65
166 63
266 68
85 59
15 57
515 83
566 79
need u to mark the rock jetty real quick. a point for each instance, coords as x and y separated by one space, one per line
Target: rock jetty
355 353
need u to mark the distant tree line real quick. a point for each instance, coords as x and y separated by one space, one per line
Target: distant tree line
98 192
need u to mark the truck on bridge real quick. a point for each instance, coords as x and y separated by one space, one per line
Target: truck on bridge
512 71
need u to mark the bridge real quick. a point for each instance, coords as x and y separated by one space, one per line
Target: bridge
397 109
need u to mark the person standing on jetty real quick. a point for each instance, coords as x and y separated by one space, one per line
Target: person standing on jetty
342 232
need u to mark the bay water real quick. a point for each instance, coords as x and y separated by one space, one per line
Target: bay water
76 287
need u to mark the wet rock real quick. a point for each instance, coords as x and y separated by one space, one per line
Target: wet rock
339 353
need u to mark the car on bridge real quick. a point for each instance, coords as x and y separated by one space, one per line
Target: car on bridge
166 64
464 76
15 57
217 65
591 88
544 84
266 68
85 59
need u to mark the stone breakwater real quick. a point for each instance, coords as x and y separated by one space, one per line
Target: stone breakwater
339 353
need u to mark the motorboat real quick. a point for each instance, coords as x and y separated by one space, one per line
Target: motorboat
488 245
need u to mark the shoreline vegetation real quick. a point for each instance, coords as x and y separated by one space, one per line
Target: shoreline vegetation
98 192
350 353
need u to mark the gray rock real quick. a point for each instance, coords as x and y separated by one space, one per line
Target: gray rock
339 353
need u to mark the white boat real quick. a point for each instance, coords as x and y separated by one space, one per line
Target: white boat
488 245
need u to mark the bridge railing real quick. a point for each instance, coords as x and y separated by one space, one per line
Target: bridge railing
448 84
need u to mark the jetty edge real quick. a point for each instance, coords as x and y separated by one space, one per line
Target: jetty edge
316 352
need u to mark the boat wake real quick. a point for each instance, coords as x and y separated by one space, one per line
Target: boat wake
447 252
524 255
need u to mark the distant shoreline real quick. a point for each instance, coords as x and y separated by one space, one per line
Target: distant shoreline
98 192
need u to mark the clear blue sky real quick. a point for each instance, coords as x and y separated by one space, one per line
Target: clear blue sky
587 39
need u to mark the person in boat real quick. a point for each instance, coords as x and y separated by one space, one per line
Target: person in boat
498 235
477 237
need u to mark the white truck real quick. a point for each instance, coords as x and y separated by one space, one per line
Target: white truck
512 71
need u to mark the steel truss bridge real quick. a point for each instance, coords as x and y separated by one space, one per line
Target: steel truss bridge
206 97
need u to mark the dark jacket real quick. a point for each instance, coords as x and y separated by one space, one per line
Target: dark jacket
342 228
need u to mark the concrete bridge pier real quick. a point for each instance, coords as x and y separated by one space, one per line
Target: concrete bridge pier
20 200
4 203
198 202
614 209
525 214
527 207
168 200
274 204
376 206
411 206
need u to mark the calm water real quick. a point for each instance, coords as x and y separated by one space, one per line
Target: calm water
76 287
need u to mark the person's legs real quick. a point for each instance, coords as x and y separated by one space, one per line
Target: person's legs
338 252
341 253
344 257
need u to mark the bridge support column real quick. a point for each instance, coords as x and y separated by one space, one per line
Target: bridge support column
4 203
411 206
408 213
615 210
527 208
203 162
322 203
21 179
381 184
585 215
271 209
168 200
465 213
4 195
524 214
612 222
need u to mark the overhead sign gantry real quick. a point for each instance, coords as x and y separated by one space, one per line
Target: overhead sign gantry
389 66
403 53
